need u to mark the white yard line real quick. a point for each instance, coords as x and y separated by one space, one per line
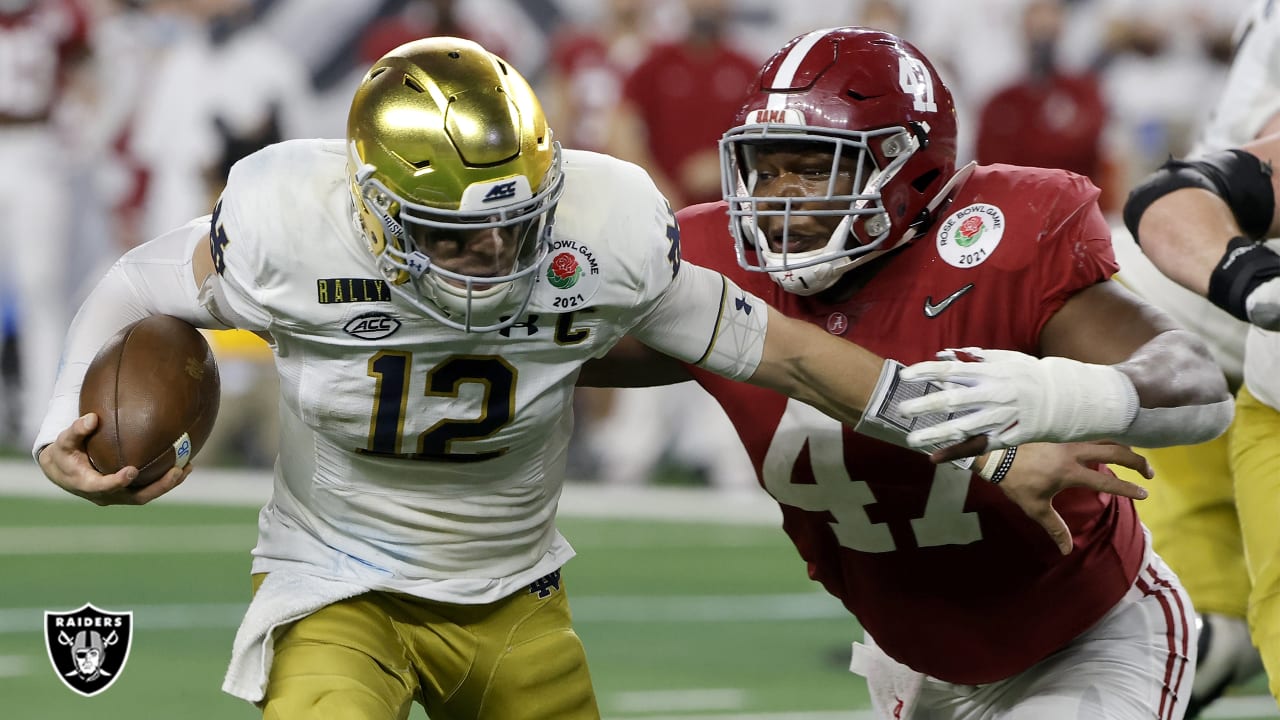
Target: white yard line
787 715
119 539
145 617
650 701
14 666
1236 706
586 609
706 608
212 486
232 537
1243 706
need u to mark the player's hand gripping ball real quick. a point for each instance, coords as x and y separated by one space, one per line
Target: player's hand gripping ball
156 390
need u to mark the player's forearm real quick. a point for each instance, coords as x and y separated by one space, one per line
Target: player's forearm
1185 234
1182 394
154 278
1175 369
1202 221
802 361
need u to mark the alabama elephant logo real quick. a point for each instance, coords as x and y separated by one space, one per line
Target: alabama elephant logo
88 647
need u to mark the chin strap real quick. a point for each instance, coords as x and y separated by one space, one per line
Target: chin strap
943 196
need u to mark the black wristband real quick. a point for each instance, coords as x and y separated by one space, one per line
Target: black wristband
1006 462
1243 267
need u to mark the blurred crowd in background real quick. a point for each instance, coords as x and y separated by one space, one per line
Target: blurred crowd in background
119 119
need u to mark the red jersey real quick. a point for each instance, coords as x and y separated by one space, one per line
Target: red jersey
1054 123
688 97
948 575
37 46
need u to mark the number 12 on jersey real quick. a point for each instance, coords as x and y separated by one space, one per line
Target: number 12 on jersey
391 371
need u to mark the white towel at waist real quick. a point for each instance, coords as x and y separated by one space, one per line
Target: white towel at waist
893 686
284 597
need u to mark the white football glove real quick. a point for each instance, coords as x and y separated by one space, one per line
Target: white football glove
1263 305
1014 398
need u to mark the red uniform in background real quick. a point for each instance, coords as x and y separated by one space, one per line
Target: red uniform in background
687 97
37 45
1051 122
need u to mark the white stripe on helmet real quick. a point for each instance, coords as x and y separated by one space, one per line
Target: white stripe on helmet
787 71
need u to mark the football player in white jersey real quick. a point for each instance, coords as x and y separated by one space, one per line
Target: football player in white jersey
1210 224
431 287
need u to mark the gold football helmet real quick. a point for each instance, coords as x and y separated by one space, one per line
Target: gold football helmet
446 144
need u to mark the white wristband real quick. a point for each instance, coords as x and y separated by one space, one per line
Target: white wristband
993 461
883 421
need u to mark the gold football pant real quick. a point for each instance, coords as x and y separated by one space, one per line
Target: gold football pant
1191 512
1255 462
371 656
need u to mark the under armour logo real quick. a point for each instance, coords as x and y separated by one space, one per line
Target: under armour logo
417 263
529 326
543 586
505 191
742 305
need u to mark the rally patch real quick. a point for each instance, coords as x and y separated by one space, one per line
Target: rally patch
969 235
571 273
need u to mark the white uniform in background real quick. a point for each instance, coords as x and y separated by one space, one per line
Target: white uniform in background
37 43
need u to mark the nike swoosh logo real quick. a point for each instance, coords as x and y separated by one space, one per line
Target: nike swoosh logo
932 310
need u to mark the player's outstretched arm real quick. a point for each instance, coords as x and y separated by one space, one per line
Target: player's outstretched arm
705 319
805 362
1114 368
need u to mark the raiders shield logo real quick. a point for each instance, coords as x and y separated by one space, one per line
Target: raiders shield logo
88 647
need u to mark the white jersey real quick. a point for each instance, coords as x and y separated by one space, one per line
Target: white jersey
1250 99
422 459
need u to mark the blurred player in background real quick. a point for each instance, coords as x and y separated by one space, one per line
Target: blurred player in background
431 287
678 100
1191 511
1209 223
847 211
41 43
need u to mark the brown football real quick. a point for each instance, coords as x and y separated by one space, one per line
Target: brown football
156 391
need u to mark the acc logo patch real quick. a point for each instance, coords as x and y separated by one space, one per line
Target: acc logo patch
88 647
969 235
572 274
371 326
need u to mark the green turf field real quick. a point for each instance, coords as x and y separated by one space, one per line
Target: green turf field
680 620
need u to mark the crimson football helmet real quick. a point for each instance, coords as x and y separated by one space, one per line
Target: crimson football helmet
857 93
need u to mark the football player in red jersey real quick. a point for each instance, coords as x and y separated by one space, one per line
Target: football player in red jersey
844 207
